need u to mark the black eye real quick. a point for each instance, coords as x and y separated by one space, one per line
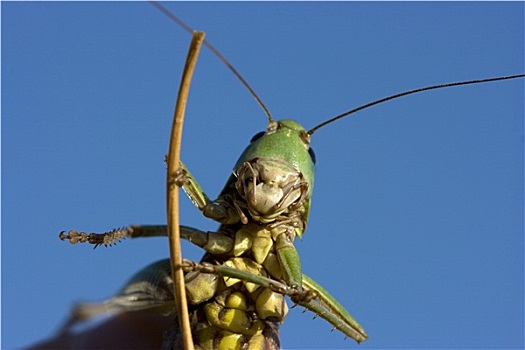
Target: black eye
257 136
312 154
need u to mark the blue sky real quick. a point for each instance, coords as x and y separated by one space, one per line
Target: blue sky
417 216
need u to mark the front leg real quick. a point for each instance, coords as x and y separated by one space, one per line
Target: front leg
224 209
284 231
289 258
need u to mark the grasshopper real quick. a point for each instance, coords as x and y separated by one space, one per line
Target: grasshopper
249 201
262 207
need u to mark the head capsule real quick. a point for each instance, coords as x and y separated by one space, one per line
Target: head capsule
275 173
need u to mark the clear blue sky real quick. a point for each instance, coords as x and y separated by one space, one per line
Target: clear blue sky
417 217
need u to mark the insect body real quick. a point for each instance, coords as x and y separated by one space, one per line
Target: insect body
263 206
273 182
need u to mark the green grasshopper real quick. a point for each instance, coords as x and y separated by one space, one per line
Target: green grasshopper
262 207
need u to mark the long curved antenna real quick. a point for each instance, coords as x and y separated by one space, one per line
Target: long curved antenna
217 53
409 92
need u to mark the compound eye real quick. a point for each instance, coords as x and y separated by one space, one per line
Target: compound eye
257 136
312 154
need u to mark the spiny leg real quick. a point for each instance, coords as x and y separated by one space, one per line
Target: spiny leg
327 301
313 297
213 242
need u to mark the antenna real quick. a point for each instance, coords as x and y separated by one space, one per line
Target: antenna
340 116
410 92
217 53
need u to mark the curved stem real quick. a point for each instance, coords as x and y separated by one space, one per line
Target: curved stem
173 193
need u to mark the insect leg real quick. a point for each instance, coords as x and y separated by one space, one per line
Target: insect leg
314 297
213 242
113 236
289 259
222 209
343 318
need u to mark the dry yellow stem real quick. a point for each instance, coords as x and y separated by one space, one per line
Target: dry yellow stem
172 190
